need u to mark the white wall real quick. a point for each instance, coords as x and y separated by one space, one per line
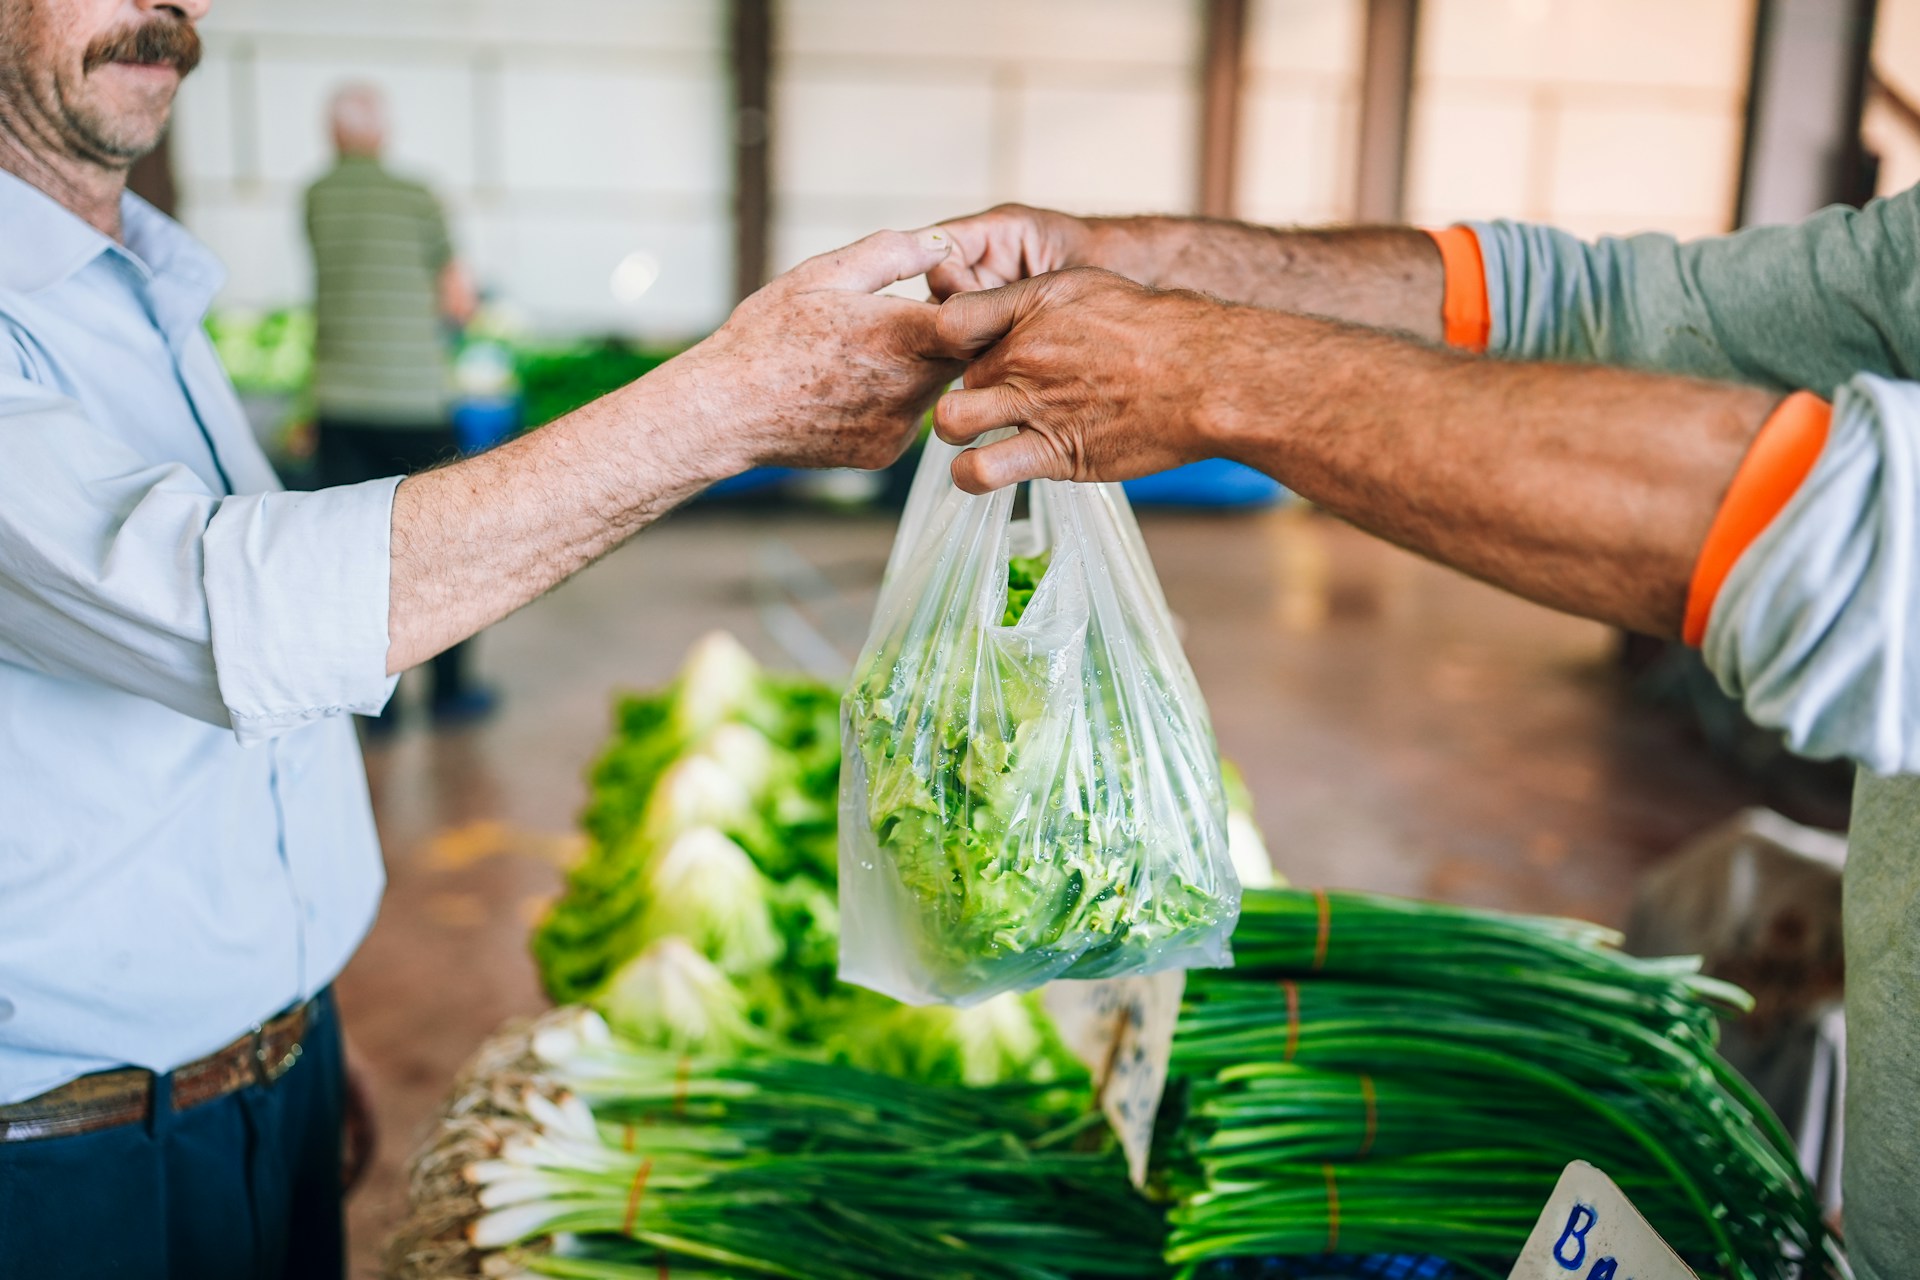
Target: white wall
568 134
565 135
1896 55
562 136
1602 116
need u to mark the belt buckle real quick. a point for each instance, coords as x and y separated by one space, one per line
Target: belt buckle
267 1070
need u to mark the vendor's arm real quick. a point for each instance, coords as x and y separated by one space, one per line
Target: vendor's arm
265 611
1802 306
1585 488
1778 533
1389 277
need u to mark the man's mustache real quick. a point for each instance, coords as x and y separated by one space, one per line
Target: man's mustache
168 42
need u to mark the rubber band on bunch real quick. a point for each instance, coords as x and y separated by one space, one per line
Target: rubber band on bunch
634 1193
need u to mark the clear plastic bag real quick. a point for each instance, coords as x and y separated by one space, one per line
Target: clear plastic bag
1033 798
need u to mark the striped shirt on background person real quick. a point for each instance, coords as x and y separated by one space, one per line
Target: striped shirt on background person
380 243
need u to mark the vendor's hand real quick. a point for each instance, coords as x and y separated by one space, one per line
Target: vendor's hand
1104 377
818 369
1009 243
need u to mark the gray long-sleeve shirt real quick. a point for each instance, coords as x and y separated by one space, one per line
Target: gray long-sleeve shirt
1810 628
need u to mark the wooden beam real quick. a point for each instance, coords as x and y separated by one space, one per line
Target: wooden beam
1222 74
751 50
1386 107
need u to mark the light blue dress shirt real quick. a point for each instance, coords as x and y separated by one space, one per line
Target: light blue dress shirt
186 842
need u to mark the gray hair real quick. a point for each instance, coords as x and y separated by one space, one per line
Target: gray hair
358 116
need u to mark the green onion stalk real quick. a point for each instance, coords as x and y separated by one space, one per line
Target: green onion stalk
649 1163
1379 1074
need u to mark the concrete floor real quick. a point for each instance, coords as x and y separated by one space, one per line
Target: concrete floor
1402 728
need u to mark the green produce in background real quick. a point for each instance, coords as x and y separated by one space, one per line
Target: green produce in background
265 353
1431 1069
271 353
554 381
703 916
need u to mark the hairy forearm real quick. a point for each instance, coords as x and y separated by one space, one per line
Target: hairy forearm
1587 489
475 541
1386 277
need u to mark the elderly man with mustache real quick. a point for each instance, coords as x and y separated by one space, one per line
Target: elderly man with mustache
187 853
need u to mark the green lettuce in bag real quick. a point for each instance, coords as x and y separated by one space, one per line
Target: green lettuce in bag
1030 788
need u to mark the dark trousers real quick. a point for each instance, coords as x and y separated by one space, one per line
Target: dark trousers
353 452
246 1187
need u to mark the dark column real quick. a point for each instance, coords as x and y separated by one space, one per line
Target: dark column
1222 75
752 59
1386 106
1804 97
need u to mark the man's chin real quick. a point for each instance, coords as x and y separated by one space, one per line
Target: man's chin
125 110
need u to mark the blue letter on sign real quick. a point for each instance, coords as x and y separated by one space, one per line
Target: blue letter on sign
1605 1269
1574 1238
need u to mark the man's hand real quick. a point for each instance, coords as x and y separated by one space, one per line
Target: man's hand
818 369
1008 243
1105 378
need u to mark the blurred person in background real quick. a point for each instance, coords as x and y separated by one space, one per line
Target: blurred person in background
1716 440
387 290
187 850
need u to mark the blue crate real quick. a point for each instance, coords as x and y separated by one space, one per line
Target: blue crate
749 482
1215 482
479 424
1346 1266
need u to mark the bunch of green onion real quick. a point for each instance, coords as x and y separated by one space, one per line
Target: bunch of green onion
651 1164
1383 1075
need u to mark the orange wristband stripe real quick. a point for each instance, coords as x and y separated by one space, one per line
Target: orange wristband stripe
1464 313
1777 463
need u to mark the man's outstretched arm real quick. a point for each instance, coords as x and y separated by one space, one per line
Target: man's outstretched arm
810 371
266 611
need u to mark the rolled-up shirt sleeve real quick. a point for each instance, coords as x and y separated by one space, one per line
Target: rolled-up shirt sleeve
1800 306
257 612
1810 628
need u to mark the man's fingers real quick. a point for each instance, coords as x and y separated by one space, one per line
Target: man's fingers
869 265
965 269
956 275
969 323
1026 456
961 416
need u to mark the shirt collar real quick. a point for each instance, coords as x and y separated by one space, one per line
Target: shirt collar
47 243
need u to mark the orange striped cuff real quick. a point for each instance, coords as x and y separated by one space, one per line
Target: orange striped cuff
1777 462
1463 310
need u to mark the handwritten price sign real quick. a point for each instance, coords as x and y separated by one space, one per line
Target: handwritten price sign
1591 1231
1122 1028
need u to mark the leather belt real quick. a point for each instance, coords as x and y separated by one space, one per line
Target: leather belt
109 1098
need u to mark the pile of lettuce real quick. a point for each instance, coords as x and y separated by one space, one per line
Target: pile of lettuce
703 916
1028 845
